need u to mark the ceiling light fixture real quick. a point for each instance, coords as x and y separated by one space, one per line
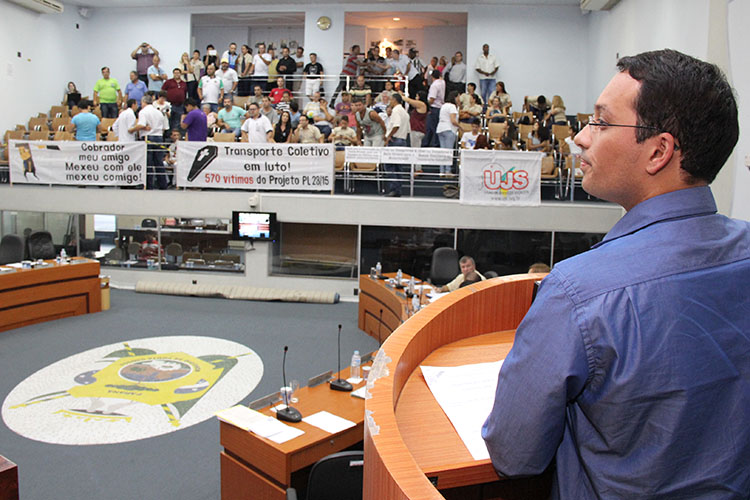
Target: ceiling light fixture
396 18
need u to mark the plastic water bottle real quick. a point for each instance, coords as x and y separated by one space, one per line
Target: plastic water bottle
379 269
411 285
63 254
356 363
415 303
399 275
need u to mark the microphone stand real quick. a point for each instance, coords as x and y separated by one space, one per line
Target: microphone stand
287 414
340 384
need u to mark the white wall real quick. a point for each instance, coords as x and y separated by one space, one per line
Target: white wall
442 41
739 48
540 49
49 45
122 30
635 26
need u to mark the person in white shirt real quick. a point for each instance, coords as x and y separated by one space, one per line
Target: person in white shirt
487 68
257 128
436 98
396 133
229 78
468 275
447 128
299 59
469 139
125 125
575 151
151 124
211 88
261 60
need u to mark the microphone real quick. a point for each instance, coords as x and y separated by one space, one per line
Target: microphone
287 414
380 322
340 384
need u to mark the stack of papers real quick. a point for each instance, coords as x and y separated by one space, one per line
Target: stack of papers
328 422
258 423
436 295
466 395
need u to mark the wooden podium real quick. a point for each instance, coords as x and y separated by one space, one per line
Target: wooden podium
411 449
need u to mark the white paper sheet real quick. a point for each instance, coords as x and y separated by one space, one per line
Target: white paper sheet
359 393
436 295
466 394
259 423
328 422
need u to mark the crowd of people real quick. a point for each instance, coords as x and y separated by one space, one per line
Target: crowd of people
392 99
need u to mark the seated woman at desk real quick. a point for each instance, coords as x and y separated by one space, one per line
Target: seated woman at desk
469 275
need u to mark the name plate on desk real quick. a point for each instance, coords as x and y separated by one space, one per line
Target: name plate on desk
319 379
265 401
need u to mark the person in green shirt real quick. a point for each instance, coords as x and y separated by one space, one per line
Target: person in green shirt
231 117
107 95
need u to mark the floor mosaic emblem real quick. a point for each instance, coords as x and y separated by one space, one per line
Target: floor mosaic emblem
132 390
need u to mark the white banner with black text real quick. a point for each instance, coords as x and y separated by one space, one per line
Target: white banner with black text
399 155
289 167
501 177
77 163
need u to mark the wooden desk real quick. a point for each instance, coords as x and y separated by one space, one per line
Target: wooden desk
409 441
30 296
256 468
376 295
8 479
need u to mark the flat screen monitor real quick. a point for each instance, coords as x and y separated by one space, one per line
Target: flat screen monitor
253 226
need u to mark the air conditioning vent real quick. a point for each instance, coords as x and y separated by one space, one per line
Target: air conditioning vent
41 6
598 4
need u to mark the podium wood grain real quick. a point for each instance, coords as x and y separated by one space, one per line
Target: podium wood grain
408 438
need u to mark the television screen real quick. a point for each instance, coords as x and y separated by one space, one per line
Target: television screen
253 225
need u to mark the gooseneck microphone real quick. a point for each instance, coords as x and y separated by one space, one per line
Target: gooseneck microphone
340 384
287 414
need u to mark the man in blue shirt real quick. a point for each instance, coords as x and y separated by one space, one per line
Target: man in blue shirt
631 370
135 89
85 122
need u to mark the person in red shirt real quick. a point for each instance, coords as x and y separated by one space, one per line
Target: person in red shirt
176 89
351 68
278 92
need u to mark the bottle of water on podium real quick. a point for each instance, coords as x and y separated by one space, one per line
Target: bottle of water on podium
399 275
415 303
379 269
411 285
356 363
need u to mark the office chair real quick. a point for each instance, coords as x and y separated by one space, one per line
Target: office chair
39 245
11 249
148 223
336 476
490 274
444 266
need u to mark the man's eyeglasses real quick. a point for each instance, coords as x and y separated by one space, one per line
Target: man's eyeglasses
599 124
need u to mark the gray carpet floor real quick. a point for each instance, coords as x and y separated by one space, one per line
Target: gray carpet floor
183 464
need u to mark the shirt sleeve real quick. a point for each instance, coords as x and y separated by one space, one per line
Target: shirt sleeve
455 283
544 372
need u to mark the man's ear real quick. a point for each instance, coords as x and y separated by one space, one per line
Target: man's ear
662 153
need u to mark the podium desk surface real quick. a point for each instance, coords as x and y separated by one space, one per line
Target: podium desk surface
426 430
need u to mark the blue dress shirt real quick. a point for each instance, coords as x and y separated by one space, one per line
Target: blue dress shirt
632 367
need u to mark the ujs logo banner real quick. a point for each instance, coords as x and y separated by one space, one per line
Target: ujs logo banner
500 177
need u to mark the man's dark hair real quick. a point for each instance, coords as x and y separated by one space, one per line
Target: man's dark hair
690 99
131 102
84 104
163 93
472 84
191 102
313 54
360 100
474 120
354 47
436 74
294 106
176 69
104 67
452 97
397 97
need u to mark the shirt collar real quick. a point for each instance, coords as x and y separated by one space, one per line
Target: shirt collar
683 203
